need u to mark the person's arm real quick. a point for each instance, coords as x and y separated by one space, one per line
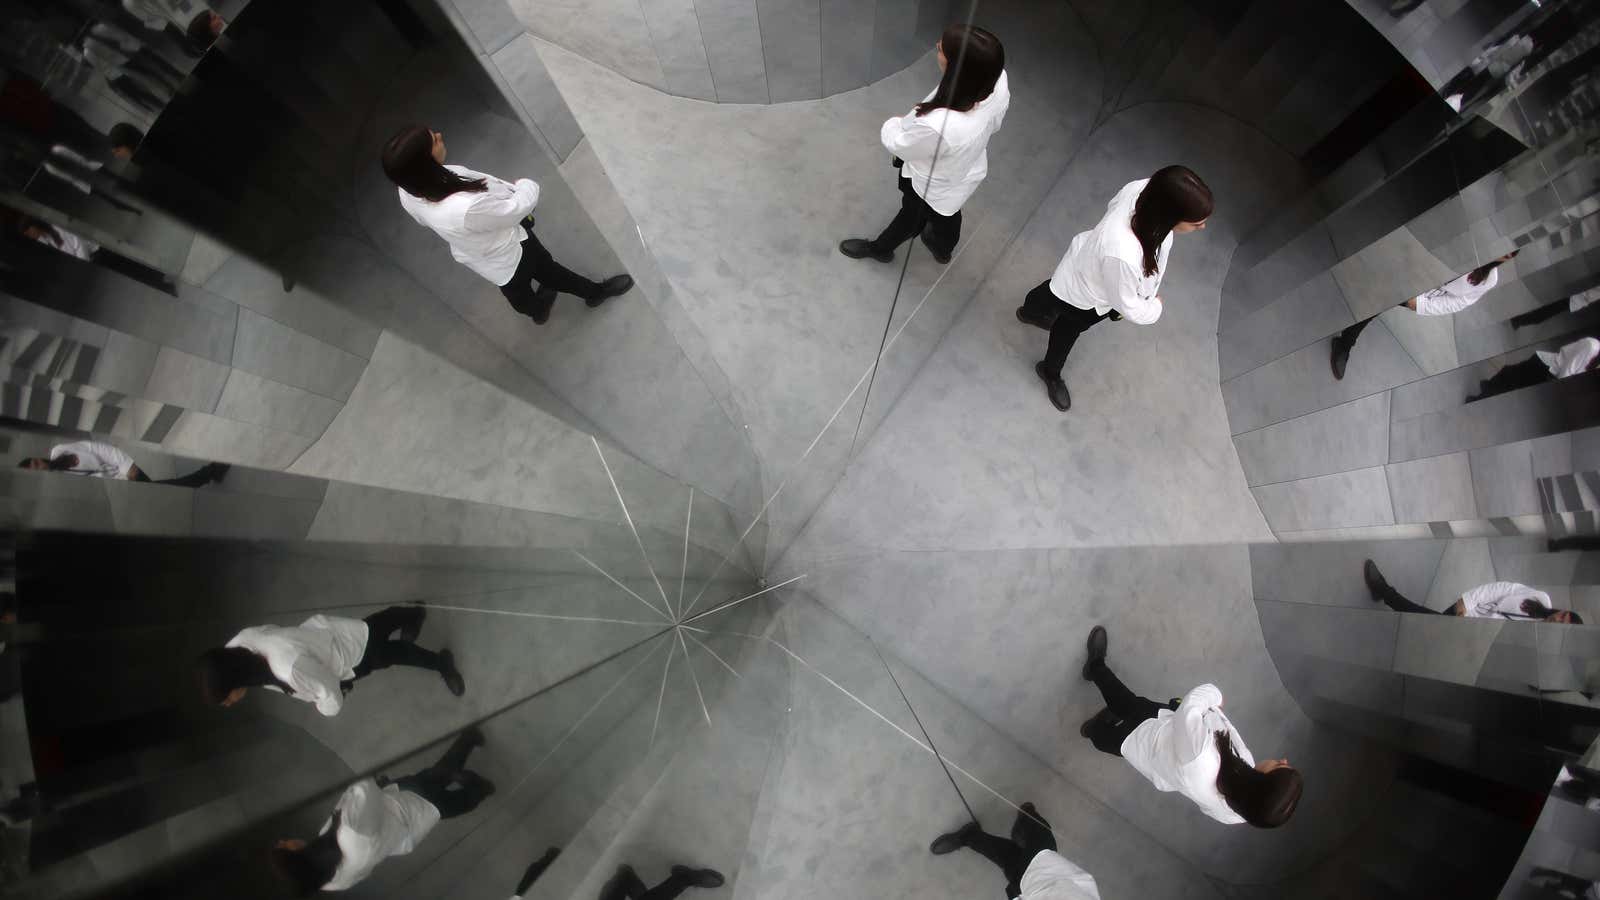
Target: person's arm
911 138
1190 733
359 809
502 205
1001 100
112 456
1122 286
1441 303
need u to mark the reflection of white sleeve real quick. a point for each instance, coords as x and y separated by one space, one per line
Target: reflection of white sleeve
1572 359
1580 300
1191 736
501 205
1455 296
1123 292
911 138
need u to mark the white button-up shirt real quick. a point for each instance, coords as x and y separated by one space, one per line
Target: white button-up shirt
311 658
1177 751
1454 296
483 229
1501 599
1052 876
374 825
95 459
1571 359
1103 268
953 146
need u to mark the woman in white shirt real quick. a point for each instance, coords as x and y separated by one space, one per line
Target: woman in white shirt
378 818
1114 269
97 459
1573 304
1189 746
941 146
1495 600
1581 355
1028 859
488 224
1451 297
321 659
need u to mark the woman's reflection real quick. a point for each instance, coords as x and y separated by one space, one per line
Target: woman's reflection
626 884
1495 600
1582 355
1450 297
379 818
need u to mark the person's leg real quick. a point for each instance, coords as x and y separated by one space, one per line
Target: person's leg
535 869
519 291
624 885
405 619
906 224
1069 323
1011 858
1543 313
1382 591
1040 307
1514 377
942 233
454 760
201 476
553 275
1122 702
471 789
681 879
1032 832
1343 343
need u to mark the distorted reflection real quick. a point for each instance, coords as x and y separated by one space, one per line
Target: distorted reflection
1495 600
97 459
1582 355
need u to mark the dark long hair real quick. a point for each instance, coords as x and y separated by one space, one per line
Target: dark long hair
408 161
22 222
1264 799
312 866
58 464
1536 610
974 60
1476 276
1175 194
220 670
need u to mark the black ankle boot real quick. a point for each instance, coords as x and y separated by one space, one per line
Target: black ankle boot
1055 387
615 286
859 248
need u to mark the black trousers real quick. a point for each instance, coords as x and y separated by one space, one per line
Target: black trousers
538 265
1029 835
1070 321
198 477
914 215
1516 376
434 784
381 652
627 886
1124 712
1398 602
1535 316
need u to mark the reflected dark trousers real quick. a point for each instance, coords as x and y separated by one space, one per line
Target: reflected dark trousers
1398 602
433 783
1535 316
1124 712
914 215
381 652
1029 835
627 886
1516 376
198 477
1070 321
538 265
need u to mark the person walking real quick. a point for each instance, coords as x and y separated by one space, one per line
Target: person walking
379 818
941 146
1582 355
626 885
534 871
1188 746
1033 869
97 459
1451 297
1573 304
488 224
1495 600
1114 269
319 660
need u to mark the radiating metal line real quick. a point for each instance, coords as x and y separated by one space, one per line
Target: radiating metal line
529 615
714 656
690 664
629 517
732 603
662 695
683 573
653 607
924 729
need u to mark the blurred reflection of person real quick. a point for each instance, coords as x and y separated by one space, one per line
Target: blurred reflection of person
321 659
97 459
169 16
125 140
53 236
82 174
535 869
1495 600
625 884
1114 269
1450 297
941 146
1575 303
379 818
488 224
1033 869
120 48
1188 746
1582 355
204 29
